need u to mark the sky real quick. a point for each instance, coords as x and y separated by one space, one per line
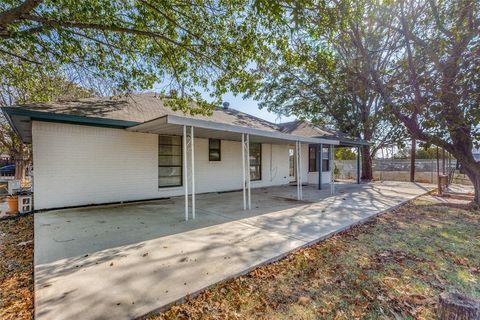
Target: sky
250 106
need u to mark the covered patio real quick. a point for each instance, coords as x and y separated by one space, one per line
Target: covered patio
123 261
191 128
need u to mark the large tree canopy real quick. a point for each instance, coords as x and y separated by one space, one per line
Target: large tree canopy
136 43
316 74
432 80
418 59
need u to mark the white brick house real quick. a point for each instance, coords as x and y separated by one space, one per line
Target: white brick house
107 150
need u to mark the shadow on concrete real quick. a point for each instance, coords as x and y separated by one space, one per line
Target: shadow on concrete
126 260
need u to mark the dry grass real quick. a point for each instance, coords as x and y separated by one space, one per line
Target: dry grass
391 268
16 268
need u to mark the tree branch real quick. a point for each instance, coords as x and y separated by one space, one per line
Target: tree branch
98 26
20 57
9 16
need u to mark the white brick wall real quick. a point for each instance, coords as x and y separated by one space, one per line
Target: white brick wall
80 165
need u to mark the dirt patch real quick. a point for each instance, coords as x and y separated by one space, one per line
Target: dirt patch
16 268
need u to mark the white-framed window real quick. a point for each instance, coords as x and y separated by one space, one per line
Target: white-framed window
170 169
214 150
255 161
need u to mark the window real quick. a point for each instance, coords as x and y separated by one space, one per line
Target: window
291 164
255 161
312 158
214 150
169 161
326 159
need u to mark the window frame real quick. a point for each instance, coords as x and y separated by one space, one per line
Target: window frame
170 166
326 168
210 149
259 162
315 154
325 160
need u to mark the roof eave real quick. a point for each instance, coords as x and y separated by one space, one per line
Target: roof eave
212 125
15 115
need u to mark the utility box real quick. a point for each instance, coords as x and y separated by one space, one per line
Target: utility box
25 203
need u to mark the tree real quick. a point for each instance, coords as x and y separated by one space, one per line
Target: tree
317 74
431 81
18 87
426 153
345 154
133 44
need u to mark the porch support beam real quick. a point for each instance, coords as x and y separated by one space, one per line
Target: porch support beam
358 165
249 194
298 161
319 165
192 148
296 170
300 169
244 182
185 171
332 169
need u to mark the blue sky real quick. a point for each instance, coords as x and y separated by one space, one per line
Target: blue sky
250 106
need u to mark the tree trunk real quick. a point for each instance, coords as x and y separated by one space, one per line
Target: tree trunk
19 169
413 155
367 171
455 306
473 173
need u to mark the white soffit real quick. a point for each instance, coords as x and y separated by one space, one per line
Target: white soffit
173 125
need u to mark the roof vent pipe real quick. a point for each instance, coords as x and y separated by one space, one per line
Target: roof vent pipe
225 105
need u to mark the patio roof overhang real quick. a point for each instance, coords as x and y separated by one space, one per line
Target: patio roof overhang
173 125
21 121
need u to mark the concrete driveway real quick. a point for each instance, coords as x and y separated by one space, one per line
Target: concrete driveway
123 261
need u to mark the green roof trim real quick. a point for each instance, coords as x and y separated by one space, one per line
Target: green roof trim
66 118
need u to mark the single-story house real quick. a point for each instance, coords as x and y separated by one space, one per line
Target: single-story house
118 149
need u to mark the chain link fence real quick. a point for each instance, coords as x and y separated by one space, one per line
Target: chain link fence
399 170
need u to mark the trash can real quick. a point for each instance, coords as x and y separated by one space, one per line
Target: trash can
12 204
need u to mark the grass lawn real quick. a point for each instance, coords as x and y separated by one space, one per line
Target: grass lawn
393 267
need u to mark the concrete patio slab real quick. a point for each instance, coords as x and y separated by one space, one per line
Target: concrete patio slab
123 261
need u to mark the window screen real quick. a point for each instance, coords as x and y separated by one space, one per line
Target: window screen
326 159
255 161
312 158
214 150
169 161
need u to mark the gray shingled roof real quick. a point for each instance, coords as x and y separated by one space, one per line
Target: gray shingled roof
148 106
308 129
141 108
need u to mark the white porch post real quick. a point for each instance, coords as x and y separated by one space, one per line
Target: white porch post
192 147
332 169
185 171
297 162
300 169
248 173
243 173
